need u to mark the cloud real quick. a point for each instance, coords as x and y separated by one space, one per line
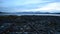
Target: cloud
35 1
9 3
47 8
51 6
30 5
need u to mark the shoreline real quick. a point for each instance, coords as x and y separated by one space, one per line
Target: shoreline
30 14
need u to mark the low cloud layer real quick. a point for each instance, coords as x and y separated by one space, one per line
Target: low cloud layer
55 7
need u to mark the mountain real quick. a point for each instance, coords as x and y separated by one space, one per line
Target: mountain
29 12
3 13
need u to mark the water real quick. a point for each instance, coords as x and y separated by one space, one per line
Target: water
32 14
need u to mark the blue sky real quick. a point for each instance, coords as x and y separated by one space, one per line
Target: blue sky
29 5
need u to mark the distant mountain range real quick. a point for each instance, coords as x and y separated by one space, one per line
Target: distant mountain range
3 13
27 13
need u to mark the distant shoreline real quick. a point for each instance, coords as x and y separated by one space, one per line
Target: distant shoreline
30 14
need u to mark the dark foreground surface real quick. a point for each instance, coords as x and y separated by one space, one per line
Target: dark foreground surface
30 24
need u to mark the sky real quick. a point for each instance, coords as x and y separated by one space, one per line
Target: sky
30 5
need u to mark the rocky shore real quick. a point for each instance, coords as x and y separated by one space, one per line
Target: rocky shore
32 23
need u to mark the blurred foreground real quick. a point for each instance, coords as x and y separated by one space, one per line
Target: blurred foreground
29 24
